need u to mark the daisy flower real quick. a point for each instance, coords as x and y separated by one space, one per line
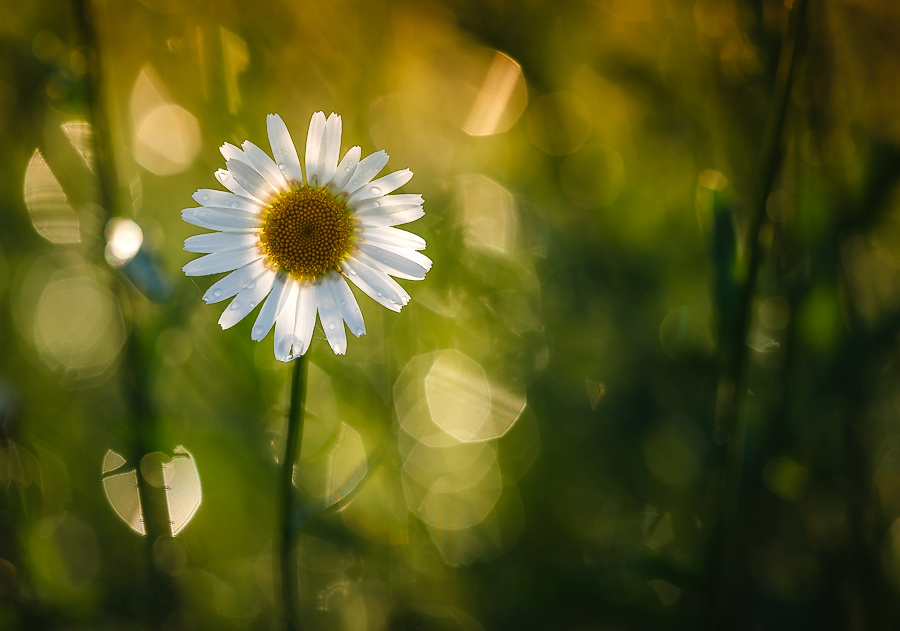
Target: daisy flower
292 243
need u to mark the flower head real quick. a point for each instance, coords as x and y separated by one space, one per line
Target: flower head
291 243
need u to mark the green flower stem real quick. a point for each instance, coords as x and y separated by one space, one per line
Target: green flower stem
291 451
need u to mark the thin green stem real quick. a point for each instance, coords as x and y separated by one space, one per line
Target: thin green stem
107 175
733 383
137 365
291 451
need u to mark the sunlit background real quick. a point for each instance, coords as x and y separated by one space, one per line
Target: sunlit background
532 442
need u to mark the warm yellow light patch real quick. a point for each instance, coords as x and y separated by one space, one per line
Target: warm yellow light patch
307 232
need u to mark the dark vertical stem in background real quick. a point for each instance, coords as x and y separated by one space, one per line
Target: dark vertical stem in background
161 598
733 383
103 151
286 487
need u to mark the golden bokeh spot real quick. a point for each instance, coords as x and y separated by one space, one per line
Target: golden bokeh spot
307 232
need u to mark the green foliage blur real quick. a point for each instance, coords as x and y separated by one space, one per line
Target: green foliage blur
571 426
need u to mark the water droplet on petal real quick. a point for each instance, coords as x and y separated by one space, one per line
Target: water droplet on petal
205 198
346 169
236 304
375 190
253 303
343 302
251 285
381 296
331 326
282 166
217 293
278 152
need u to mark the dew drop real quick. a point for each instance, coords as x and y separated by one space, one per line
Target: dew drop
205 198
252 285
331 326
236 304
375 190
346 169
278 152
217 293
253 303
343 302
380 295
282 166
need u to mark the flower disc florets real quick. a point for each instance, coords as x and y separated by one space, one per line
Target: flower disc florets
307 232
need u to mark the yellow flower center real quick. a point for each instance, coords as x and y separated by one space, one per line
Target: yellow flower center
306 232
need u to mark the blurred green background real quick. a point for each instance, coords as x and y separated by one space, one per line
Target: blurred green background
533 443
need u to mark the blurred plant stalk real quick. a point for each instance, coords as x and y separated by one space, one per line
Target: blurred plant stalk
730 431
286 487
138 361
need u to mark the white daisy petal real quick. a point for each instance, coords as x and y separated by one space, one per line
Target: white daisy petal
392 236
390 261
377 211
381 186
236 281
332 323
221 242
314 147
227 180
396 217
219 262
346 303
368 167
330 150
222 219
230 152
265 166
246 301
283 150
270 310
412 255
306 317
378 204
376 284
345 169
221 199
251 180
284 323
